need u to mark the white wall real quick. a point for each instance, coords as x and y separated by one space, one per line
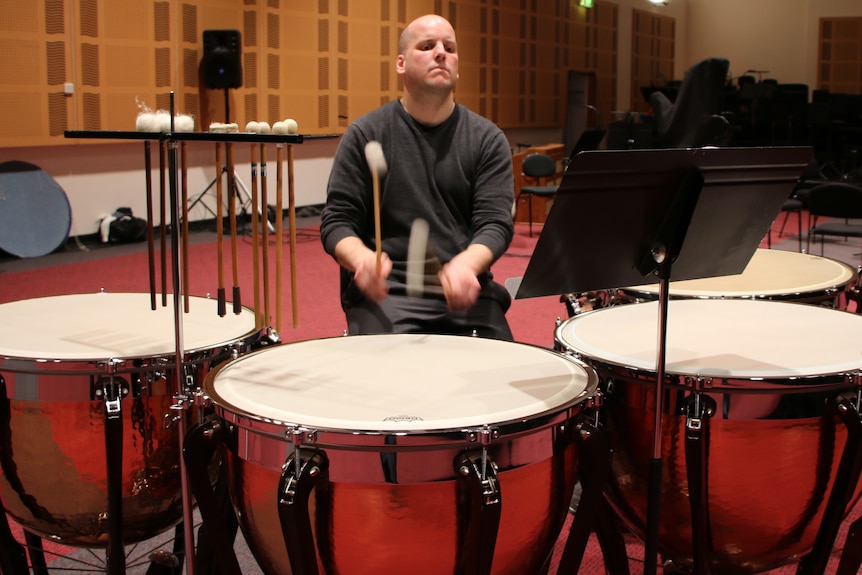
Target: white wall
775 35
100 177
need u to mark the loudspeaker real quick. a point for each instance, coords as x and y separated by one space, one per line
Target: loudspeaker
221 63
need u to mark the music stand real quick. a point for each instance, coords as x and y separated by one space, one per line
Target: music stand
587 141
625 217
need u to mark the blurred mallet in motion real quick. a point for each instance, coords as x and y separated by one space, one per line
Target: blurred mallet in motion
422 264
377 164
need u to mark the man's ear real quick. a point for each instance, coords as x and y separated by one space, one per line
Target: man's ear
399 64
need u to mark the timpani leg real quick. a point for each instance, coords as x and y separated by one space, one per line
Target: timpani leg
199 447
13 559
37 555
593 512
846 479
479 509
851 558
307 469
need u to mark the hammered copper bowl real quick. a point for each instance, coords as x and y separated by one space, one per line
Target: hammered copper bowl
55 355
392 413
773 446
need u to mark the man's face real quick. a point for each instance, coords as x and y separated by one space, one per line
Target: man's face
430 58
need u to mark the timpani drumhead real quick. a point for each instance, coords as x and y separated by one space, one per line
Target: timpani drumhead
102 326
398 382
722 338
770 274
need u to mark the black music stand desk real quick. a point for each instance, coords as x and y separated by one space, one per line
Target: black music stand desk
613 205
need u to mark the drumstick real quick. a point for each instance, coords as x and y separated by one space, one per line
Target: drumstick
184 192
377 164
151 249
291 210
264 212
417 247
222 306
420 257
231 193
255 241
163 233
279 232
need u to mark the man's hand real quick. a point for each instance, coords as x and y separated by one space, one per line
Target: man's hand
355 256
459 276
370 279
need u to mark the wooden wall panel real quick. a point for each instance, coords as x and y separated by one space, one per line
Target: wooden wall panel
321 62
840 55
304 66
653 38
35 43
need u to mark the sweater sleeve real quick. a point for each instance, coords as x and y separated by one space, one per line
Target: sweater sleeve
348 191
494 194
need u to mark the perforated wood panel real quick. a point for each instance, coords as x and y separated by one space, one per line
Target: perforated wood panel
840 58
321 62
653 41
34 40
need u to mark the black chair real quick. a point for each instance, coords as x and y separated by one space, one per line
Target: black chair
537 166
792 205
797 203
840 202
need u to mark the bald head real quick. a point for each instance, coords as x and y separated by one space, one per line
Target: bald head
418 25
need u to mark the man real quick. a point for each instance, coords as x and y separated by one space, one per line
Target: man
444 164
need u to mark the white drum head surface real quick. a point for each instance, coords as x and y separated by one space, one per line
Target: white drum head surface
398 382
769 273
722 338
112 325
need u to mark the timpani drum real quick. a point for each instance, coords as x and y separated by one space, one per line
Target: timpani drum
398 419
761 375
59 357
775 275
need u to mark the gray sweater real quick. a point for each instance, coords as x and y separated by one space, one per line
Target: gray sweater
456 175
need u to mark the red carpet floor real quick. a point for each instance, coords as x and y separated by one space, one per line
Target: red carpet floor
318 313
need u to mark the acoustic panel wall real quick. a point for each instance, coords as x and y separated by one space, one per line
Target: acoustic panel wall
34 41
840 55
652 54
321 62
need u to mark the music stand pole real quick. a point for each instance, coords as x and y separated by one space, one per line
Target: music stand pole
651 536
665 249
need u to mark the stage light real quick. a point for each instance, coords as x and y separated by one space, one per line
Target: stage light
585 3
658 2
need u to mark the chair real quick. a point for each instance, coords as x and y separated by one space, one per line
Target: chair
797 203
792 205
840 202
537 166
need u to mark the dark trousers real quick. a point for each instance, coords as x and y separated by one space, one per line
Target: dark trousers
402 314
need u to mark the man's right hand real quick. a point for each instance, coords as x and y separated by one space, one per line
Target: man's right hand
370 278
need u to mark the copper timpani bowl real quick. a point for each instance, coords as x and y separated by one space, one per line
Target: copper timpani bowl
773 447
391 414
55 354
